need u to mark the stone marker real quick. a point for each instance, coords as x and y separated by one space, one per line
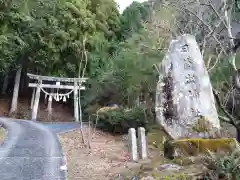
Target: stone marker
142 143
132 144
184 91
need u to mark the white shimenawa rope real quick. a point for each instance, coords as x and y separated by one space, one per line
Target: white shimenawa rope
49 94
57 94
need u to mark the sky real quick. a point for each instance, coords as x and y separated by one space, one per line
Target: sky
125 3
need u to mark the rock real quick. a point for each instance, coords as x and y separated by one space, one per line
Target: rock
147 167
148 178
184 91
169 167
185 161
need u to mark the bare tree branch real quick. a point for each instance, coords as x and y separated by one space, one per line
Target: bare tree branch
230 119
217 60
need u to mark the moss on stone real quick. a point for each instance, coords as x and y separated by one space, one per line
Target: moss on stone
202 125
198 145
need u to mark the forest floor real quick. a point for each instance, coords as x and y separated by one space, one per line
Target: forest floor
107 158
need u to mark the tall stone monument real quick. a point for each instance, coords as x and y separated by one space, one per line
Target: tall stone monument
184 91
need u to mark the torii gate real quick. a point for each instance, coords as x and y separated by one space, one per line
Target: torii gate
75 86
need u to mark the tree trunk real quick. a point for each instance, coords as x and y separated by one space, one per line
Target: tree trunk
22 80
238 134
15 91
5 84
79 105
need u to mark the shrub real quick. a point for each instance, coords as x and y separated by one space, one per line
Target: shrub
118 121
224 165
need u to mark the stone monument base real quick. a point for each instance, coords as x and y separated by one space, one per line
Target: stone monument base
197 146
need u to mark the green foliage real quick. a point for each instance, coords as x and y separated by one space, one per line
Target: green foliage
221 74
47 35
118 121
133 17
224 166
128 78
106 15
221 78
129 74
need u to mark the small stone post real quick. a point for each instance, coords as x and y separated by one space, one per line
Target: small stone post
132 142
142 143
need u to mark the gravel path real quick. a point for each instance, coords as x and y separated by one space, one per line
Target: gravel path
30 152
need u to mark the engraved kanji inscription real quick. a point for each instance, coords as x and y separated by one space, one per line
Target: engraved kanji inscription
195 111
193 93
188 63
185 48
190 78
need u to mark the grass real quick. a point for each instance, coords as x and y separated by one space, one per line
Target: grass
2 134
